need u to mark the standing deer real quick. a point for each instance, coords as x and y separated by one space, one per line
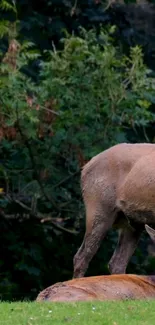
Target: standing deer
105 287
118 188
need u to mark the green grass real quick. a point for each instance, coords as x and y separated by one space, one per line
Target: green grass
98 313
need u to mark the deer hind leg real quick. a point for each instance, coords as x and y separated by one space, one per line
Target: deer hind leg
127 243
98 222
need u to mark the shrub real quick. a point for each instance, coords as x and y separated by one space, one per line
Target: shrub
88 96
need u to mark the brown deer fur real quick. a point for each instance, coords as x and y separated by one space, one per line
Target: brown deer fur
106 287
118 187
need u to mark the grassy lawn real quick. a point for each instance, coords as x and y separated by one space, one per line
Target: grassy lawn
99 313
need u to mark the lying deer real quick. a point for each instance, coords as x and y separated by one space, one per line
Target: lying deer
118 187
106 287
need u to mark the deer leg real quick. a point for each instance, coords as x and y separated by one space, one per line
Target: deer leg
102 222
127 243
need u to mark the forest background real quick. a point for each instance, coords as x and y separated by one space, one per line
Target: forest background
76 77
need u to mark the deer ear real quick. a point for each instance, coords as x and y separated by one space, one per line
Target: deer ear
151 232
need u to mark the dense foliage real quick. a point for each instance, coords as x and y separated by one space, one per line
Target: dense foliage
61 104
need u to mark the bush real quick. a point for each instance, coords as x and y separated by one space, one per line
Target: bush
88 96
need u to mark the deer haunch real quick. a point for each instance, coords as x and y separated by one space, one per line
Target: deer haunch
118 187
